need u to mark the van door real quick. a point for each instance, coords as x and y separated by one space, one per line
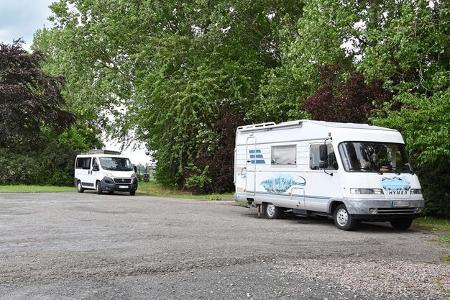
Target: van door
95 170
83 165
89 181
250 183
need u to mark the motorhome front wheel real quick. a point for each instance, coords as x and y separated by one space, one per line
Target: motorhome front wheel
342 219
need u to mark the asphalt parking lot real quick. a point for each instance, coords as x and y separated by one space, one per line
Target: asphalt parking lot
69 245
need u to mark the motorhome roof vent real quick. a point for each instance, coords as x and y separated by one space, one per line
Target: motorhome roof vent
256 126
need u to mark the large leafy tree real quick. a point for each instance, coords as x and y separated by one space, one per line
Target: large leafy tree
30 100
39 136
164 71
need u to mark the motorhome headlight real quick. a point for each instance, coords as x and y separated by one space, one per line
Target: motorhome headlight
366 191
415 191
133 175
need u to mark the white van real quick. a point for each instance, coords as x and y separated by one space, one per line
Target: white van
105 170
351 172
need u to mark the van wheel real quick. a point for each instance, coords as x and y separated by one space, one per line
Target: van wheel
342 219
79 187
99 187
401 224
132 193
271 211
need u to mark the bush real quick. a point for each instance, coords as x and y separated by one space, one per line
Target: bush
198 181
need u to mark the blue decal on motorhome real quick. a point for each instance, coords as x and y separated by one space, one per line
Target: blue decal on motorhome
255 151
281 183
395 183
256 157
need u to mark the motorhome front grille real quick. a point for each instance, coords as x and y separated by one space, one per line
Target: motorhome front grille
389 211
122 180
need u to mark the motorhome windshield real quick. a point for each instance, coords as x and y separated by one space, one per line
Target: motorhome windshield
374 157
116 164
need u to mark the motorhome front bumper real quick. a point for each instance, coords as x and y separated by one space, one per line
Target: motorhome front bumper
383 209
119 184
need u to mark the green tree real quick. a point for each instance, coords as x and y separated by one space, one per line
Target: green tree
164 71
39 136
30 100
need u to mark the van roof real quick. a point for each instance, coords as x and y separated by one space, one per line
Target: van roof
100 155
272 125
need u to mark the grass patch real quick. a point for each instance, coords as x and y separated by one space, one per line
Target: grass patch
446 239
22 188
155 189
439 225
434 224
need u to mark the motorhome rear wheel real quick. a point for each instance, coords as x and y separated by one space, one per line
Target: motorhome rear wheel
271 211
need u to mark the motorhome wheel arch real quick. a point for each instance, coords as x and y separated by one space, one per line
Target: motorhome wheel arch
351 172
105 171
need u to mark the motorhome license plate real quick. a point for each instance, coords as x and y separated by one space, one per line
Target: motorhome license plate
123 186
400 203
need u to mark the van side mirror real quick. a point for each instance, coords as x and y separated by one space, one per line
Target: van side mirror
323 153
135 169
95 168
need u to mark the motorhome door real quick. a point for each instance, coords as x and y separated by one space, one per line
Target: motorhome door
250 183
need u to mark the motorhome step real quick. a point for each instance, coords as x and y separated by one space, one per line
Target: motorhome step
301 212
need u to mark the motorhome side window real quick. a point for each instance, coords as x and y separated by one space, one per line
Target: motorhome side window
314 158
284 155
83 163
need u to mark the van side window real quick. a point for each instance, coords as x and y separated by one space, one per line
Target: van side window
83 163
284 155
314 158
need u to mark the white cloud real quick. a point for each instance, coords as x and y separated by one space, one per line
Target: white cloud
21 19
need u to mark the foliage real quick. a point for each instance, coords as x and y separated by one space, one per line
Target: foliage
197 180
219 157
349 101
424 122
39 137
31 101
173 65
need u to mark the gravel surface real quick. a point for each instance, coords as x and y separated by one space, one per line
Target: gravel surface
68 245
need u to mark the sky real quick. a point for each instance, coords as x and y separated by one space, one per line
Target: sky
21 19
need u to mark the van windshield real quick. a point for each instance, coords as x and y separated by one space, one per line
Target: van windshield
374 157
116 164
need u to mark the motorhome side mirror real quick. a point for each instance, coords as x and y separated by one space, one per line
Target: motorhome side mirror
323 153
95 168
135 169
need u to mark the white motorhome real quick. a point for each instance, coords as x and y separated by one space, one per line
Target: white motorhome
351 172
105 170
